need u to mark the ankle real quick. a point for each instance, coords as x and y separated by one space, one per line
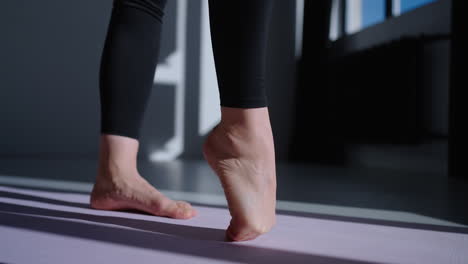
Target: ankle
251 122
240 140
114 168
117 155
246 117
118 148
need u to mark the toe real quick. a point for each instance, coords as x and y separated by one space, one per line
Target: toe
187 210
181 210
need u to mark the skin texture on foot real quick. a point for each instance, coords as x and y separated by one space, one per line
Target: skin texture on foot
241 153
133 192
119 186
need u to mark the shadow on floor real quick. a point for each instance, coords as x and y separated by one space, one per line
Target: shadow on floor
212 234
428 193
179 239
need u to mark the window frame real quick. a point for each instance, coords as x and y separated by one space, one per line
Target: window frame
342 24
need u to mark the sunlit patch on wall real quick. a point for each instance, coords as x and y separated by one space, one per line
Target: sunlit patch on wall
209 109
173 72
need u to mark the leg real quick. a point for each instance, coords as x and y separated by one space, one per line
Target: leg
127 70
240 148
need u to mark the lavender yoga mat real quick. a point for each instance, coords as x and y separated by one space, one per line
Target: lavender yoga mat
54 227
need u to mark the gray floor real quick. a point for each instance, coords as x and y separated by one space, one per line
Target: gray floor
326 215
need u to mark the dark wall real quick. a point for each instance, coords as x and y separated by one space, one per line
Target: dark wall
50 54
436 62
386 84
281 75
458 94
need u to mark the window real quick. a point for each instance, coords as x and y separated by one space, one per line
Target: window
407 5
373 12
363 13
360 14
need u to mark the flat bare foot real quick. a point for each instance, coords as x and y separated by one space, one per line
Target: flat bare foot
241 152
119 186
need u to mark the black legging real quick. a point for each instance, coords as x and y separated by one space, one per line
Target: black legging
128 63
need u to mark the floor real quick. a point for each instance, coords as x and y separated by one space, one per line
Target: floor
325 215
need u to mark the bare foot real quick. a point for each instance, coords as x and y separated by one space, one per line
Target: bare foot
241 152
119 186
